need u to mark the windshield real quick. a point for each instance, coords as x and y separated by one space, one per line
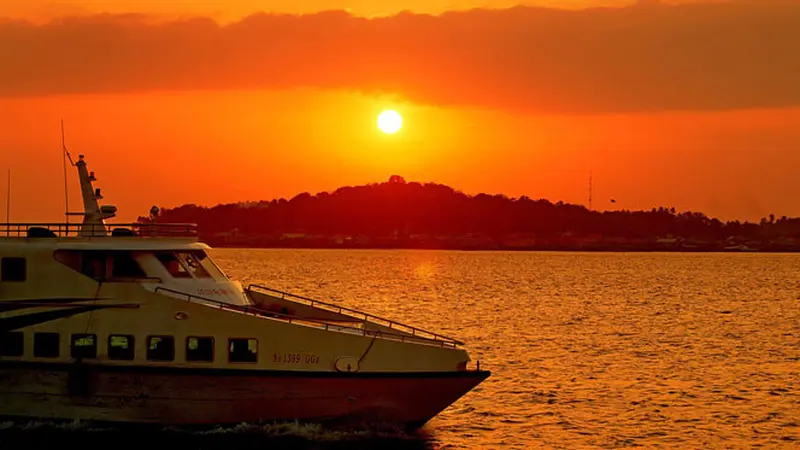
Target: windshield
190 264
193 264
173 265
209 265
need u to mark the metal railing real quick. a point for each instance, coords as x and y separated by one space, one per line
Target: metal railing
329 326
366 317
62 230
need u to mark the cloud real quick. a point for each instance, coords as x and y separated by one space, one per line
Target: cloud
522 59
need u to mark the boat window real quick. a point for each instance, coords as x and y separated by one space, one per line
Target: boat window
12 343
124 266
71 259
173 265
84 346
209 265
200 349
242 350
93 264
160 348
46 345
13 269
101 265
191 261
120 347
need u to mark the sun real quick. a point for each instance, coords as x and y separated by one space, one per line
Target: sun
390 121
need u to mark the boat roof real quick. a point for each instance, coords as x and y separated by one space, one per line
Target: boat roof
142 237
111 244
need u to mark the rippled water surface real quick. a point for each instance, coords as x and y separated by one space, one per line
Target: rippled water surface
586 349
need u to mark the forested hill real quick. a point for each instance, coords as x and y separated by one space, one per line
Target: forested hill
400 214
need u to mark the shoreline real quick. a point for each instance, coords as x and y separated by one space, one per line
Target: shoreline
534 248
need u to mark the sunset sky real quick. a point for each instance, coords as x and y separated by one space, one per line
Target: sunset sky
688 104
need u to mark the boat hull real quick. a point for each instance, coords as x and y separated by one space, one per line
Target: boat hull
195 396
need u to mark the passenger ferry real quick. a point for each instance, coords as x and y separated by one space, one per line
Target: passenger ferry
134 323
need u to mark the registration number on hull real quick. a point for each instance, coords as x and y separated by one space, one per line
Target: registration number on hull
295 358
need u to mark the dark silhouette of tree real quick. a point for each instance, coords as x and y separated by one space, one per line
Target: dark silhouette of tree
411 210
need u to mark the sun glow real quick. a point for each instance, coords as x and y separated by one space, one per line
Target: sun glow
390 121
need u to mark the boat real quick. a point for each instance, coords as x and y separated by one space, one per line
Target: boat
136 324
739 248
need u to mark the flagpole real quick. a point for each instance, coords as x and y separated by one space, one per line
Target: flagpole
66 192
8 200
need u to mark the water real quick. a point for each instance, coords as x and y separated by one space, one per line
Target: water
587 350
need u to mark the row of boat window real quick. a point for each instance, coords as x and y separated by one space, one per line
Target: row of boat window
115 264
122 347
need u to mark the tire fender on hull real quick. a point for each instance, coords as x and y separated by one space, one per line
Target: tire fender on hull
346 364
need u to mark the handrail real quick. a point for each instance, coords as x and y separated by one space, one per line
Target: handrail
255 311
59 230
364 316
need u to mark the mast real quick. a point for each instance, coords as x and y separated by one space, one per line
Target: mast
590 190
8 200
65 154
93 214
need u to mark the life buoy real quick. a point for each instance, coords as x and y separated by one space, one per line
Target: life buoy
346 364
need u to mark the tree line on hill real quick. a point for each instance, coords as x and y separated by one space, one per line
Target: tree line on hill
400 209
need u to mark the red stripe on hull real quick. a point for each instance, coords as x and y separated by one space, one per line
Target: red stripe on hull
206 399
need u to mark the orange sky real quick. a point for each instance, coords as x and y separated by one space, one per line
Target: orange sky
696 106
226 10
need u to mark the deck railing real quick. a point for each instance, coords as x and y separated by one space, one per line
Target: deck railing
330 326
366 317
62 230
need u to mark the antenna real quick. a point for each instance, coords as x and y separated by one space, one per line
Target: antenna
590 190
65 155
8 200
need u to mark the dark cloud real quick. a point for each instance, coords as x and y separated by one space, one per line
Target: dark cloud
537 60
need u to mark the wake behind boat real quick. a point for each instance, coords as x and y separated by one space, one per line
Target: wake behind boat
134 323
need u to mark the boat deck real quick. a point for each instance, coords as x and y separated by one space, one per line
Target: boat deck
352 321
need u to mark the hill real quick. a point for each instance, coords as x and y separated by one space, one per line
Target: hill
397 214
